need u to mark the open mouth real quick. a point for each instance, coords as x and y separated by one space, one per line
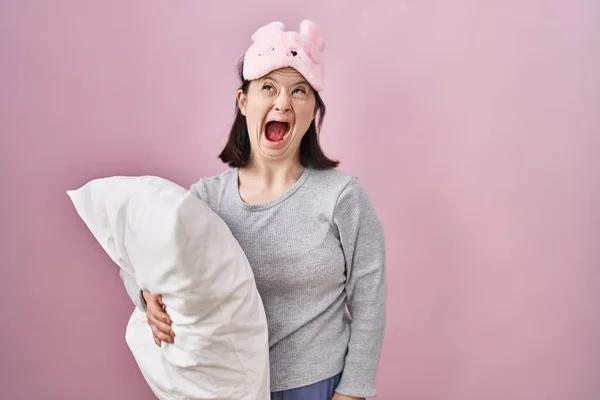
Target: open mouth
275 131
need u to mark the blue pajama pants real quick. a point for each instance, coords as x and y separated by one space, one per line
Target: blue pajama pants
323 390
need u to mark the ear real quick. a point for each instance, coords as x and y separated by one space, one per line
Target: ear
242 100
267 30
313 33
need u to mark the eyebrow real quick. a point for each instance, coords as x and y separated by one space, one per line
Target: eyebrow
301 81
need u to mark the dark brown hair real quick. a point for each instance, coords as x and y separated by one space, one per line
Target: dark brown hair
236 152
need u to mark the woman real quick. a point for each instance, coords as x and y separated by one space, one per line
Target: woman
309 231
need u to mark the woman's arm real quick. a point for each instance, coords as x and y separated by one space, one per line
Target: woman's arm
133 290
152 305
362 240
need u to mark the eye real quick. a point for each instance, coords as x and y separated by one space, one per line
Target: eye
266 86
300 91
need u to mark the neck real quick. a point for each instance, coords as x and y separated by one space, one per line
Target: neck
273 173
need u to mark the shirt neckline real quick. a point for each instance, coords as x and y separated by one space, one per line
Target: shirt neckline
263 206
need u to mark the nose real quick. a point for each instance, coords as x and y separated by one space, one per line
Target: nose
282 103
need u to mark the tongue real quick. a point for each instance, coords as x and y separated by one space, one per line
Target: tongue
275 131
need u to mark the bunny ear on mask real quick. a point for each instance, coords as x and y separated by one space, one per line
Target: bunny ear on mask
273 48
313 33
268 30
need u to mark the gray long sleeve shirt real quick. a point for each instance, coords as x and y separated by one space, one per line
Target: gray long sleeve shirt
313 250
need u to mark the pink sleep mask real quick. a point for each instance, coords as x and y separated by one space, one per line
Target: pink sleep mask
273 48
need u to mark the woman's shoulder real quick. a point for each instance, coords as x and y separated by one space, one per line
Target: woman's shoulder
336 181
344 189
210 186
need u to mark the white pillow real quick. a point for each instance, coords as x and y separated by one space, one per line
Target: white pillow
175 245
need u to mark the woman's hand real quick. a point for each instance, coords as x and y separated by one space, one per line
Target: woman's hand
158 319
338 396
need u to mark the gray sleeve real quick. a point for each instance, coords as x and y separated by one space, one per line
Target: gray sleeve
362 240
133 290
199 190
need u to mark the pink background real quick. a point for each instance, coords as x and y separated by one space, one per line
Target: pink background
474 125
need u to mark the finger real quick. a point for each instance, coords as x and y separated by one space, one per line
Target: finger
161 335
156 340
161 326
157 309
160 315
166 328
